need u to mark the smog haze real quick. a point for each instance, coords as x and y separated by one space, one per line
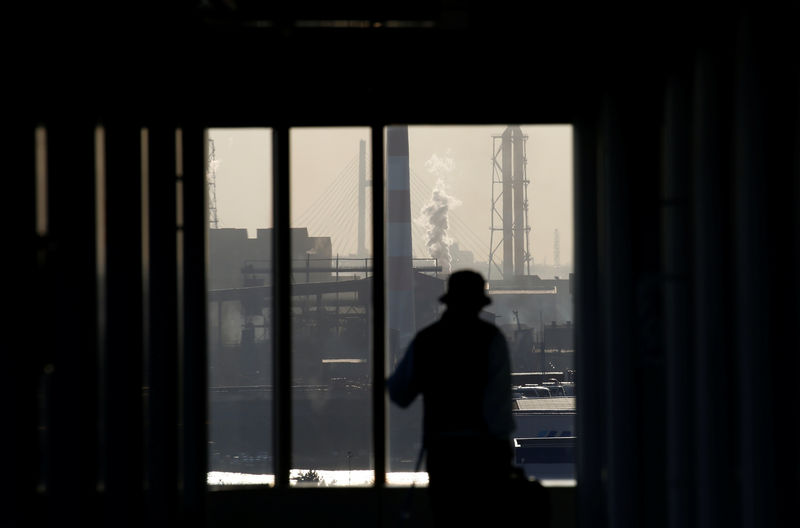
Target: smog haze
451 172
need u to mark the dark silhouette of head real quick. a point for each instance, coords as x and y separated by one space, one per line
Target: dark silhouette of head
466 290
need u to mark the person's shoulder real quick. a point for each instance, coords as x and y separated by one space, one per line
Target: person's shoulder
488 325
491 330
430 330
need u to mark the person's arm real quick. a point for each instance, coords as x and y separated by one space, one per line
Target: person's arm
497 400
403 384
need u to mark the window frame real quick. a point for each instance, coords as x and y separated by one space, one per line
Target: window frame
281 299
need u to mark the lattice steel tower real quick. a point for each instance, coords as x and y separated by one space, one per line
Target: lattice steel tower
510 218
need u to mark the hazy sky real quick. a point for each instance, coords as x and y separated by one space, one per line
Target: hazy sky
324 183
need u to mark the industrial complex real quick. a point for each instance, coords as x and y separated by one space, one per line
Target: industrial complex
331 341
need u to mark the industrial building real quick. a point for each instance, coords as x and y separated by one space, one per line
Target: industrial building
685 297
331 311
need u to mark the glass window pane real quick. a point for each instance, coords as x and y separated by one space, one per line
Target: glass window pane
496 200
331 298
239 350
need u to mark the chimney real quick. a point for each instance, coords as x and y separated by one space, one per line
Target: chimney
400 278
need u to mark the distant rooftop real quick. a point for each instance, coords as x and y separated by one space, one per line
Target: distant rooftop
558 403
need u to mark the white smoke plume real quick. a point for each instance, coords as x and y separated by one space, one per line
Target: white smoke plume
434 215
440 166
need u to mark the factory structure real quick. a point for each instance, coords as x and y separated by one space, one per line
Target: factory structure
331 300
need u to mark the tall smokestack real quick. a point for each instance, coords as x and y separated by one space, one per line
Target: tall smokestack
400 278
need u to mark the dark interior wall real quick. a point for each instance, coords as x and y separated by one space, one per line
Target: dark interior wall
253 65
679 191
687 168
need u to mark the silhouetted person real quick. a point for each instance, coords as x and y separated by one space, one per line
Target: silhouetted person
461 367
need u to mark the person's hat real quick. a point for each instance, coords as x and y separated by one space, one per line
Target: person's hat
466 288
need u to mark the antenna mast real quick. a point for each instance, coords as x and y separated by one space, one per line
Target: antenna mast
556 250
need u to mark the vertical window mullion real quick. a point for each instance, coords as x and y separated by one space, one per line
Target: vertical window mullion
122 366
281 309
590 460
162 411
379 309
194 221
